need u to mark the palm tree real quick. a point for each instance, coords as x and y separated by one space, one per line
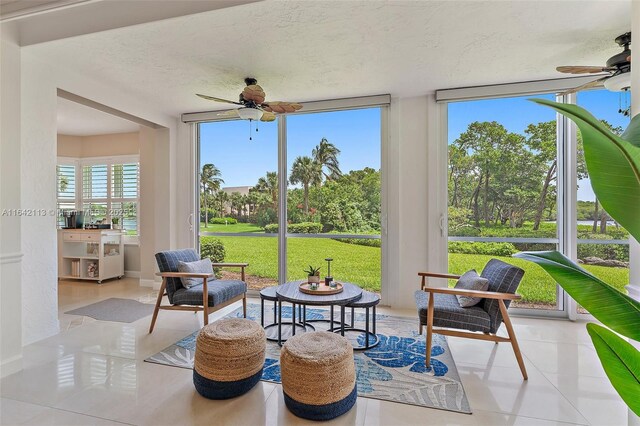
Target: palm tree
269 184
221 198
306 172
326 154
210 182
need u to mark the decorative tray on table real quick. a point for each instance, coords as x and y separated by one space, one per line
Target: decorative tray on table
322 290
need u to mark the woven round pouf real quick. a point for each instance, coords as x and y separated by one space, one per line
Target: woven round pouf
229 358
318 375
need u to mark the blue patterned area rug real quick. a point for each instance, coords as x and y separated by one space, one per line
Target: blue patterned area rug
393 371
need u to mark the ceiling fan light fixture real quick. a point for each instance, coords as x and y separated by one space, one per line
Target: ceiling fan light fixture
250 114
618 83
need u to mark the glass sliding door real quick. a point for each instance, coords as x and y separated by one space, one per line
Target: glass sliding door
238 194
334 195
503 190
602 244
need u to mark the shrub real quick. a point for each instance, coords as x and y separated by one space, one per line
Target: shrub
296 228
490 249
212 248
223 220
266 216
369 242
272 228
305 228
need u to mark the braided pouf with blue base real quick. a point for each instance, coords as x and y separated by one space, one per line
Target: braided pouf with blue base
318 375
229 358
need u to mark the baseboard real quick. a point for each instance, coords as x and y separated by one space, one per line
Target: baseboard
10 366
132 274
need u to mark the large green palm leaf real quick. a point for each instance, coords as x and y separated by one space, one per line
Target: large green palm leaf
605 303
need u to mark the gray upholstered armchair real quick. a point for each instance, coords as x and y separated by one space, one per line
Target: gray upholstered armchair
439 307
208 297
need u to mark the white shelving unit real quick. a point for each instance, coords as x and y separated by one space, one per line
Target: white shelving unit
90 254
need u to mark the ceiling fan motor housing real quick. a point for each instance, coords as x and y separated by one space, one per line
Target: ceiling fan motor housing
621 60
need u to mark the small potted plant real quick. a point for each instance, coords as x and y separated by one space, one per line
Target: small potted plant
313 275
115 222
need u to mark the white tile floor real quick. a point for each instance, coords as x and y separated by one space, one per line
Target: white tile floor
93 373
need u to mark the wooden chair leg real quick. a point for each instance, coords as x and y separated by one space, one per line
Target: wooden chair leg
512 338
158 302
429 330
244 305
205 302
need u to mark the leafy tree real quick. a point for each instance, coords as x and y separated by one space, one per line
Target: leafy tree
542 139
326 154
306 172
236 203
210 182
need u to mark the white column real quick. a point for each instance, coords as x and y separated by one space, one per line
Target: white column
10 246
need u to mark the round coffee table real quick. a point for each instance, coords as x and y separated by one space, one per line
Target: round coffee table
290 292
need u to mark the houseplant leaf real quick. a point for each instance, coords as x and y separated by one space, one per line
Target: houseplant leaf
621 362
608 305
613 163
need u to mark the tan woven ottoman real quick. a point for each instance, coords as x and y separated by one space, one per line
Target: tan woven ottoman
229 358
318 375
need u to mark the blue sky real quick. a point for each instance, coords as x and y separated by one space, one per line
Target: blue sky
517 113
242 162
357 134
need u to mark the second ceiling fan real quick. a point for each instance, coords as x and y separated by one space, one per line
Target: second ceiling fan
618 69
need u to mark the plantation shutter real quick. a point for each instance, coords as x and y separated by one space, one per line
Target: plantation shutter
94 182
66 189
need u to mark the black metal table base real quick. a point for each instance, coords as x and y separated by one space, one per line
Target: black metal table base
369 335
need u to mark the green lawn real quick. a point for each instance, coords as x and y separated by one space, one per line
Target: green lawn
237 228
361 264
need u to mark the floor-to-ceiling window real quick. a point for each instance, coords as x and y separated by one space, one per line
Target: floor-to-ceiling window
602 244
503 189
334 197
331 162
238 195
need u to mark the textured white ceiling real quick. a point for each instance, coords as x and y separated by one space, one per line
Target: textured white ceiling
79 120
321 50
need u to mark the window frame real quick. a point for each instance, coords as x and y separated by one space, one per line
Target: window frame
567 165
109 162
382 102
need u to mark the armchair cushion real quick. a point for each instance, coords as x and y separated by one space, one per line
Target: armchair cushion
219 291
503 278
168 262
199 266
449 314
471 281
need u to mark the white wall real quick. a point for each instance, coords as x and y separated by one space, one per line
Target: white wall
36 179
10 229
415 204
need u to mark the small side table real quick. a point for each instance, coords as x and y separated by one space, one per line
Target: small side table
368 301
269 294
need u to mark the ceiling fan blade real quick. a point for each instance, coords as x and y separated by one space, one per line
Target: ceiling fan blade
211 98
590 85
268 116
281 107
232 113
584 69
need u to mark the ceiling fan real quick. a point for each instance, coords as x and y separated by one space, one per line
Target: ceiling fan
618 69
253 105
